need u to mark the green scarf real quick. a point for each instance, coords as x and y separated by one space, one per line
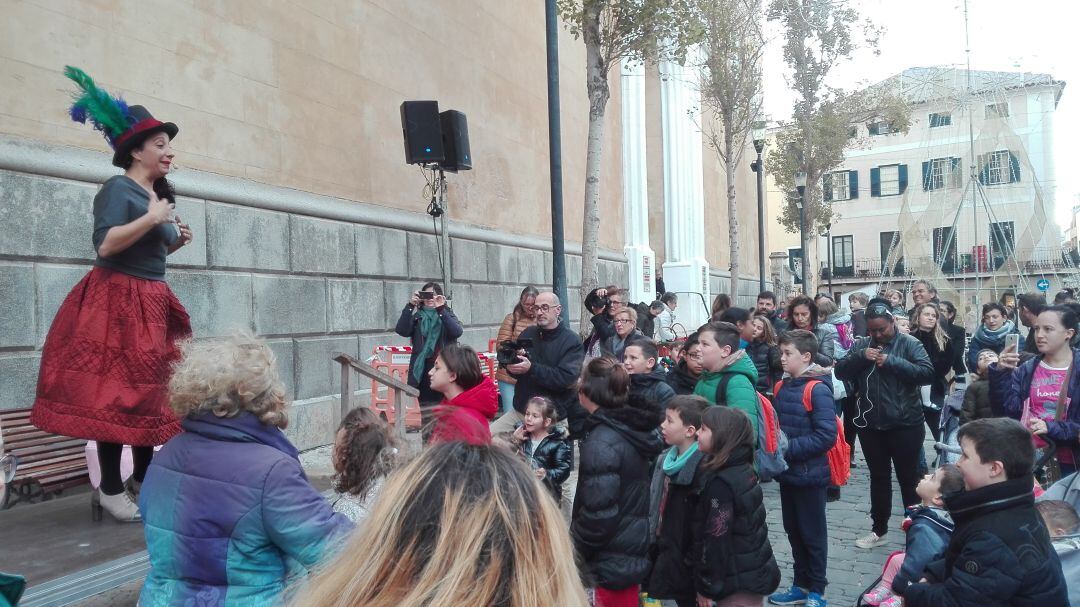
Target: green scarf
431 329
673 462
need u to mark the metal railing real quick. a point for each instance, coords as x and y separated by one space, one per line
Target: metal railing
1032 261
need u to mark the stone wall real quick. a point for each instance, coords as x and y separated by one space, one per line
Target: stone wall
314 275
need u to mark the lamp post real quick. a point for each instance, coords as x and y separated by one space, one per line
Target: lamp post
756 166
829 252
558 243
800 186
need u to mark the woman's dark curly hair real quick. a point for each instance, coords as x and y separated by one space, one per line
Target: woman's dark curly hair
364 454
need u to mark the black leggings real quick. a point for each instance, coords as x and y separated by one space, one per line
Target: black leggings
884 450
850 406
109 460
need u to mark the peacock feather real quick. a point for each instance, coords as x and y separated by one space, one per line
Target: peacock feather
108 114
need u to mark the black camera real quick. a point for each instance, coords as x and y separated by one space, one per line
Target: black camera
507 352
594 301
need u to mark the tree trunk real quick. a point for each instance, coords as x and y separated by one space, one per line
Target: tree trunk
809 243
732 211
599 93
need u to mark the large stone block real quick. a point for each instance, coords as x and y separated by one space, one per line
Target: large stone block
18 379
470 260
54 282
549 261
381 252
395 297
463 303
283 352
193 213
477 337
17 297
488 307
321 246
316 372
530 268
43 217
219 303
356 305
423 256
573 270
246 238
285 305
313 423
502 263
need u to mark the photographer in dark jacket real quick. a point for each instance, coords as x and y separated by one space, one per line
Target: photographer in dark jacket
603 304
888 367
429 324
550 368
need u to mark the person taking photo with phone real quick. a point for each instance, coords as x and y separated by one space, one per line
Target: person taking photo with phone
429 324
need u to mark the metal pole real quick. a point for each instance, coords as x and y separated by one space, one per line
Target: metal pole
760 224
828 252
448 289
972 172
558 243
802 241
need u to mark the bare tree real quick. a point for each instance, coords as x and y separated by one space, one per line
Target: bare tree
733 46
613 30
818 37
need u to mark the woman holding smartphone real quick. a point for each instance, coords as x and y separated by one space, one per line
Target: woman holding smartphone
429 324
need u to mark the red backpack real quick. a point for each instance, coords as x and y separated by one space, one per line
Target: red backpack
839 455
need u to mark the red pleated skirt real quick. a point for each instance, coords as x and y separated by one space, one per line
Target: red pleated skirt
107 360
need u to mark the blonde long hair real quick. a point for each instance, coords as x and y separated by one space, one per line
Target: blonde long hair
459 525
940 337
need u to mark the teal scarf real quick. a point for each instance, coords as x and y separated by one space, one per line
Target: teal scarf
431 329
673 462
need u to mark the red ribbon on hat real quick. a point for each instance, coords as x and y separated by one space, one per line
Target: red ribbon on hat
138 127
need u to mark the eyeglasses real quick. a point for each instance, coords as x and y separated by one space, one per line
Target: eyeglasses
616 303
622 321
545 307
879 309
694 356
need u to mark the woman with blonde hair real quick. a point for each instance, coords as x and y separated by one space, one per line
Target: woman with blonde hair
227 509
459 525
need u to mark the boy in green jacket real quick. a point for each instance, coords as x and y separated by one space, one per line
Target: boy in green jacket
729 375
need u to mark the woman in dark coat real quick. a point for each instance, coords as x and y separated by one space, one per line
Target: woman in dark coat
106 359
610 525
429 324
683 377
926 327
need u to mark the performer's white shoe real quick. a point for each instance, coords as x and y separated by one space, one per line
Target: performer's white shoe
120 506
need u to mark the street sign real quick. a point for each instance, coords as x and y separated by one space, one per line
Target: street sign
1043 284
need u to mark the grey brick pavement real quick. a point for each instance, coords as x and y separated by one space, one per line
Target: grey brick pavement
851 569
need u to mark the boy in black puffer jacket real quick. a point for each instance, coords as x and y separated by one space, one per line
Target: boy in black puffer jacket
672 499
803 485
1000 552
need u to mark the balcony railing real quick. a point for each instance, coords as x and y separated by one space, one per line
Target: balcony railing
1032 261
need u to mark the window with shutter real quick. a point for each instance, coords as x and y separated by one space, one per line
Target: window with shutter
943 174
997 110
939 119
890 180
838 185
843 256
998 167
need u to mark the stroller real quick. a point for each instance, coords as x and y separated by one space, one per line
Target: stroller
948 448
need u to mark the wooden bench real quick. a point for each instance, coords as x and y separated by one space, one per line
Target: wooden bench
48 463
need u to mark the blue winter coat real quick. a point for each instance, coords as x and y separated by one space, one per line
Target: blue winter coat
810 435
926 541
1009 390
229 516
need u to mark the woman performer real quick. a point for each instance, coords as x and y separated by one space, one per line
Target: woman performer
107 357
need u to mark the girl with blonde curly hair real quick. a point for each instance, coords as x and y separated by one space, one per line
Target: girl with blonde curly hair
228 511
460 525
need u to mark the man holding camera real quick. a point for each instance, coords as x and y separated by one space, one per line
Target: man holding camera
550 367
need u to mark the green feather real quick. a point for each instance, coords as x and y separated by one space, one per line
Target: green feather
108 115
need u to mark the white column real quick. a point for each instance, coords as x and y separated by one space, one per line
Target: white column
685 270
641 258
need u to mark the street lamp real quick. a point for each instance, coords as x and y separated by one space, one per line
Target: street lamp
756 166
800 186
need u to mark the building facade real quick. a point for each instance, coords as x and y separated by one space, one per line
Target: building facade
309 226
964 198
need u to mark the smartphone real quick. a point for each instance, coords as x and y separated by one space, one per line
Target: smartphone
426 295
1012 340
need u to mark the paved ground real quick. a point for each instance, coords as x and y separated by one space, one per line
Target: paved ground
851 569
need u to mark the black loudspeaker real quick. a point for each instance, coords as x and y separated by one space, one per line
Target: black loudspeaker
455 134
421 129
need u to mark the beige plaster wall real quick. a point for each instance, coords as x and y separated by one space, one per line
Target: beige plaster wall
305 94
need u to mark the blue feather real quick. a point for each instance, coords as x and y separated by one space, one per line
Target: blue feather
78 114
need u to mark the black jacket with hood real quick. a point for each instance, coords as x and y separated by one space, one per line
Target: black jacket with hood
653 387
680 379
610 526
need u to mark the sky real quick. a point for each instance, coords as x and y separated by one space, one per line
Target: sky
1006 35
